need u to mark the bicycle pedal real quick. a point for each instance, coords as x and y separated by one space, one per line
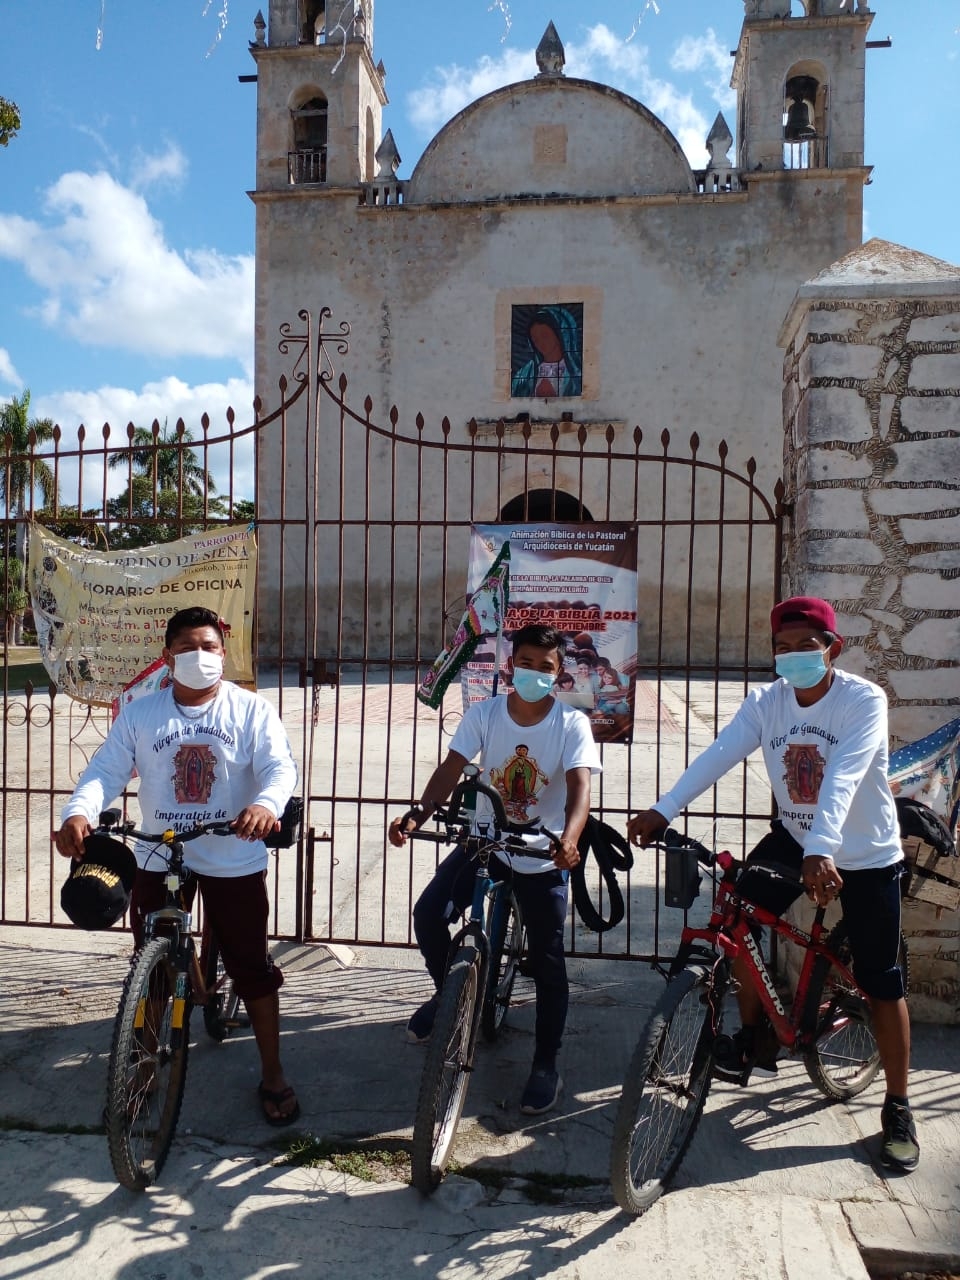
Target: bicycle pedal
741 1078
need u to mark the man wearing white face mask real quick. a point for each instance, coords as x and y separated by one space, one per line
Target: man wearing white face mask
539 754
204 750
823 734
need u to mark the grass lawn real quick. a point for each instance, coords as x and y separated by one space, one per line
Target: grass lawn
20 663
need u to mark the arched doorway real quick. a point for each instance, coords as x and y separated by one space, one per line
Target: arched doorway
544 504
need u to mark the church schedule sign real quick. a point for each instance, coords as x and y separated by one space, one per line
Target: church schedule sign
582 580
101 615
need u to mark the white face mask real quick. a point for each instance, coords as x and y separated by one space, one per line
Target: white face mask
197 669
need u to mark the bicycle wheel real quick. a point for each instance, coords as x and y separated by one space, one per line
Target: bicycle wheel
506 934
221 1013
148 1066
443 1085
666 1086
843 1059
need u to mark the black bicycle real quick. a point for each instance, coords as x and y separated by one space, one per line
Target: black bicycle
151 1033
486 955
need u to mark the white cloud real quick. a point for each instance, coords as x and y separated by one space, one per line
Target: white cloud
603 56
454 87
708 56
168 167
165 401
8 374
109 278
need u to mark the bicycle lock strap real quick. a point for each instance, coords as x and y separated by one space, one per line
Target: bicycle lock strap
613 854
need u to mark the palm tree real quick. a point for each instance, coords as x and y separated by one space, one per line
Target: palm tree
160 453
22 475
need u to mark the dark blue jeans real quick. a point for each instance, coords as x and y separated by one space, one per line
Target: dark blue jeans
543 904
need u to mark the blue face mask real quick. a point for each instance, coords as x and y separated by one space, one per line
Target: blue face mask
532 685
802 670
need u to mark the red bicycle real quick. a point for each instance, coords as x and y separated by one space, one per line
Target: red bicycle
828 1022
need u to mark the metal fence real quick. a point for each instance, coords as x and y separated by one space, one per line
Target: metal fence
363 529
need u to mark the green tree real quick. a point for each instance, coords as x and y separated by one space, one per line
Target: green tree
160 454
9 121
169 495
21 473
244 511
13 597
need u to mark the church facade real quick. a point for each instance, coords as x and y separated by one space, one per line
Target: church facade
552 259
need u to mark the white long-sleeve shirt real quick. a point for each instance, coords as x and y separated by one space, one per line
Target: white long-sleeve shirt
193 770
827 765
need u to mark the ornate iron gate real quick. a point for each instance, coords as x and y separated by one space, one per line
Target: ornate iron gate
363 530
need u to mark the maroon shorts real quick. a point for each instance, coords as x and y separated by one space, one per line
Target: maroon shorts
237 911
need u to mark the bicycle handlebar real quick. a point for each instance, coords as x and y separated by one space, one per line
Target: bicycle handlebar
457 812
168 837
672 839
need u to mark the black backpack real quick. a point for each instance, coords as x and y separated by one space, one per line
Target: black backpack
920 821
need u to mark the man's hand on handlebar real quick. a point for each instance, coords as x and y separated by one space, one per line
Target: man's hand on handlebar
821 879
254 822
401 827
69 839
644 827
566 855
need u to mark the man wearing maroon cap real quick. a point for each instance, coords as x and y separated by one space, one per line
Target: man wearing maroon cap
823 733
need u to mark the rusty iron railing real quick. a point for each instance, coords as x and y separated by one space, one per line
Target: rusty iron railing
363 529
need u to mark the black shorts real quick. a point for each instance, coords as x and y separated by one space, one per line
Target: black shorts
238 912
869 899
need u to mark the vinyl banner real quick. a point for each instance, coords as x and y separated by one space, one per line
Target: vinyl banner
582 580
100 616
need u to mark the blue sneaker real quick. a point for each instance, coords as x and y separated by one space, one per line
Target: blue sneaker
421 1023
541 1092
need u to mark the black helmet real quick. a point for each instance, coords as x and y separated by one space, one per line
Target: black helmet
96 893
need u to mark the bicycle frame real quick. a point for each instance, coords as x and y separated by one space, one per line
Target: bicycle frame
173 920
729 932
480 846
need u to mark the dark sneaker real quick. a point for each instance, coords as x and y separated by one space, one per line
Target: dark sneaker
541 1092
749 1051
900 1149
421 1024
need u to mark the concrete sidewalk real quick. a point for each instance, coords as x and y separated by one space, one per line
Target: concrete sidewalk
776 1184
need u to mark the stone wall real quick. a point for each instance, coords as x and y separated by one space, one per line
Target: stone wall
872 475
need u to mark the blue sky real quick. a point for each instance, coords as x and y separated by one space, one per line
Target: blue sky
126 234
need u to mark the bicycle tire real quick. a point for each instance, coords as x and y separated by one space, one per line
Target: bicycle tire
221 1013
843 1058
141 1120
665 1088
443 1085
506 933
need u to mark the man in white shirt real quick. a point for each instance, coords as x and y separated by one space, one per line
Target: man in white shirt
823 733
204 750
539 755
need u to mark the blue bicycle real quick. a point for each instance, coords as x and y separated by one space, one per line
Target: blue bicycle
486 955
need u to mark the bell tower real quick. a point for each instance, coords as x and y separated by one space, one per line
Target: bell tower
799 77
319 95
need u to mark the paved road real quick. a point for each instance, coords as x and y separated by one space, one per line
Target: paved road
777 1183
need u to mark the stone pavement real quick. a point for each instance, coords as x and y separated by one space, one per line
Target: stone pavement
776 1184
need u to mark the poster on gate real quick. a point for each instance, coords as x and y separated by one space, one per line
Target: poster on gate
582 580
101 615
